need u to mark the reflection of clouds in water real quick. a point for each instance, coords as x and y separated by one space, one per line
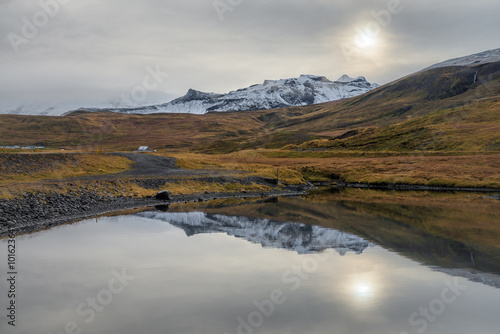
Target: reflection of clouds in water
204 282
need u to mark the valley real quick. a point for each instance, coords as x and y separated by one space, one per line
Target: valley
250 167
437 129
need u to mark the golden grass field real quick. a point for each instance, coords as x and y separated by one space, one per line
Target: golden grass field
62 172
435 127
24 168
395 118
292 167
478 170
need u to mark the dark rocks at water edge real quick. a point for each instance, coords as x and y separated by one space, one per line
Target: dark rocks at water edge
163 195
34 207
35 211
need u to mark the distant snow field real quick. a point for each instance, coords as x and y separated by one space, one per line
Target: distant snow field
485 57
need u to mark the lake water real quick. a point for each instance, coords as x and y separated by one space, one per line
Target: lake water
246 269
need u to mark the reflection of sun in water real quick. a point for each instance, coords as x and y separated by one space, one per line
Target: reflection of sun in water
363 290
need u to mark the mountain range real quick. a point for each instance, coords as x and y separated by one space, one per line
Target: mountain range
304 90
272 94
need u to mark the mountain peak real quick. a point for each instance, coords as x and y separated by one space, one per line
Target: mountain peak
192 92
191 95
304 77
346 78
197 95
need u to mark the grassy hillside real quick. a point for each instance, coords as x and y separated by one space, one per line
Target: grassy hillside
407 98
453 109
124 132
472 128
431 169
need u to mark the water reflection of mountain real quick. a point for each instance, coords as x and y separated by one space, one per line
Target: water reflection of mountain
403 229
472 275
400 228
302 238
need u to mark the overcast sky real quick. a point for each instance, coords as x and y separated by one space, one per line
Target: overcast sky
95 51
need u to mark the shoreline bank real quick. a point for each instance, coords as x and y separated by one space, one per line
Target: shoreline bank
34 212
413 187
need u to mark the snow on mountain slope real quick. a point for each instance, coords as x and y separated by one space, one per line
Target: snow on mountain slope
304 90
62 108
39 109
485 57
304 239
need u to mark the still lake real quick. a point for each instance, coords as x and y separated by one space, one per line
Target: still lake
263 267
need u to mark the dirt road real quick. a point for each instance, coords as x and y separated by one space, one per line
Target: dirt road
146 164
155 166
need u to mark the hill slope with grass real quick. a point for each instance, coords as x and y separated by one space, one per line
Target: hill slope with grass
416 95
444 108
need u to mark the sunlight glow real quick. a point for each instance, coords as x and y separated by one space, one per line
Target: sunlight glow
363 290
365 41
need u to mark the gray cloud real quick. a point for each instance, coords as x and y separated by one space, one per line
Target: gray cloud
94 51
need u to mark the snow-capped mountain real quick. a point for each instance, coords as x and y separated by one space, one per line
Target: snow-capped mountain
304 90
302 238
485 57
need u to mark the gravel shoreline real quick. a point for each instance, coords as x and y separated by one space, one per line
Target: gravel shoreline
36 211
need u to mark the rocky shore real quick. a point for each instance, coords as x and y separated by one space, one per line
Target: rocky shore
35 211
